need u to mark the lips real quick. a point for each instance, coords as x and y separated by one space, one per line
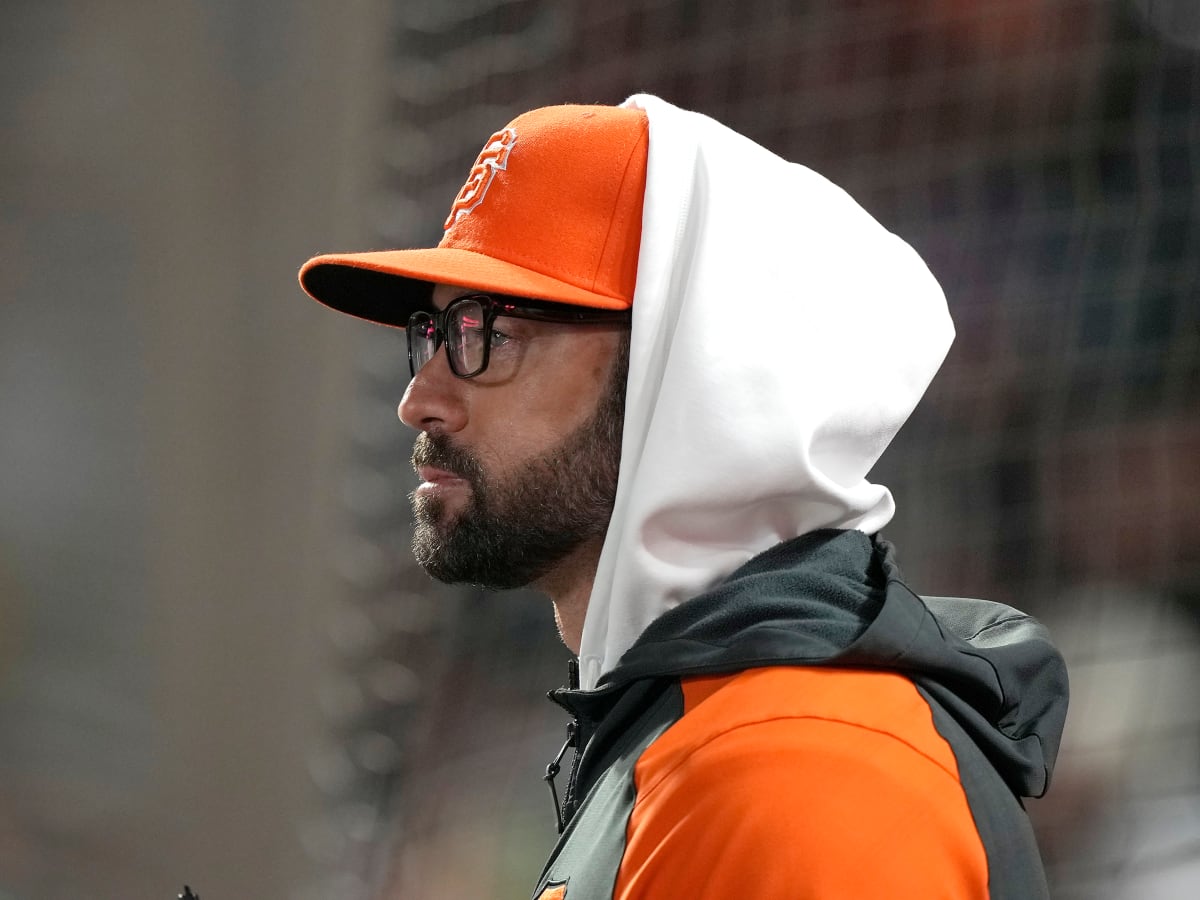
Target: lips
444 469
434 476
440 485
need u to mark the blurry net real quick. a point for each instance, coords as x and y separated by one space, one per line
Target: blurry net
1044 158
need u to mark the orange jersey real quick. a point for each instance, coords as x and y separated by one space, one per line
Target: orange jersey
840 772
889 766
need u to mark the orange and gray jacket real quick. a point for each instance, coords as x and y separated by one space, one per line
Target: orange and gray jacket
811 728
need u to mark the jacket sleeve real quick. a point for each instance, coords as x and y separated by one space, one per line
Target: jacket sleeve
804 808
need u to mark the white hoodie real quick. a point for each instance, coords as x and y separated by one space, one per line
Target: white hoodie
781 336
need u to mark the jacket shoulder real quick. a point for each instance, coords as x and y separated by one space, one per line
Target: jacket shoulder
849 700
832 779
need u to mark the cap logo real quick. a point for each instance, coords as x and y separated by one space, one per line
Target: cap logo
492 159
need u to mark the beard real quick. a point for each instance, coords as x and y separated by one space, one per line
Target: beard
515 529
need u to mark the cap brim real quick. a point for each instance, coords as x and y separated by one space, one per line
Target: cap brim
387 286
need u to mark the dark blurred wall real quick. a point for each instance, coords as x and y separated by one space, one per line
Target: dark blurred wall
171 411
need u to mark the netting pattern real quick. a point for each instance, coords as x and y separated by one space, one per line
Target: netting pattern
1044 158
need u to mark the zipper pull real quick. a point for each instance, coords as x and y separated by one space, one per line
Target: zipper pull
555 767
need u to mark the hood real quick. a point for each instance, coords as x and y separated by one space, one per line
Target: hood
781 336
836 598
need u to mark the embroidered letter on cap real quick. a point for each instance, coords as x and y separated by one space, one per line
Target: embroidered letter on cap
492 158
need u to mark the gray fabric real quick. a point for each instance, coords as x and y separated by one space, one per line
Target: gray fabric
1000 820
588 855
837 598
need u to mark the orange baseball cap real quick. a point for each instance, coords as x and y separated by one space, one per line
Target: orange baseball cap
552 209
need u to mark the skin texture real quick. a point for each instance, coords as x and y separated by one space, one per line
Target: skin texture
506 436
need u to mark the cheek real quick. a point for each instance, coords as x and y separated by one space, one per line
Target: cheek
539 420
572 376
563 402
554 393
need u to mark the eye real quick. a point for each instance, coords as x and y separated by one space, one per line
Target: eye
499 338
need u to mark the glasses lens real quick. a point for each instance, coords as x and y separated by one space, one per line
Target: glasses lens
466 336
422 340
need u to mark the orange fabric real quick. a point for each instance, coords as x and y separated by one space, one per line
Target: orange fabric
551 209
806 784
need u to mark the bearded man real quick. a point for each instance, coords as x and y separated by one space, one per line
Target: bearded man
653 364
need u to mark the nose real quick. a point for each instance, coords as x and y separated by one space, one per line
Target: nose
433 400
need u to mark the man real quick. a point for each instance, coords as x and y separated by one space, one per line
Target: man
652 365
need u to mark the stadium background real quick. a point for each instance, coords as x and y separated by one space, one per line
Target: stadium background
217 663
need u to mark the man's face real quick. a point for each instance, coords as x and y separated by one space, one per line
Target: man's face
518 464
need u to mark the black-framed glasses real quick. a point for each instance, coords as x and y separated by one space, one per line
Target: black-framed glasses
465 327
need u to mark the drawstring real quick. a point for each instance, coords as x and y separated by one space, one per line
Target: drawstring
554 768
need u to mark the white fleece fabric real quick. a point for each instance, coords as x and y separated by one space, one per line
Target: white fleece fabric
781 336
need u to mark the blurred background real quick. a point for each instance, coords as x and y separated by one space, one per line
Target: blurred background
218 664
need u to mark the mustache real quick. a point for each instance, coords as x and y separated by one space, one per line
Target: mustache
439 452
